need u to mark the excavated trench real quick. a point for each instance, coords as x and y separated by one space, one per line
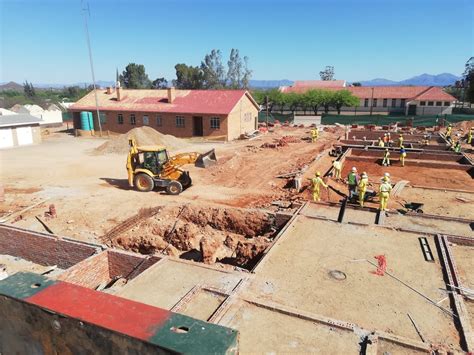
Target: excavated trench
205 234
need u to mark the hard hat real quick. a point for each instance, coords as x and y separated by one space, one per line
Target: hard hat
317 173
364 174
386 149
386 174
354 168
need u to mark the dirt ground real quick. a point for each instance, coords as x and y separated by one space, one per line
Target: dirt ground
91 194
363 298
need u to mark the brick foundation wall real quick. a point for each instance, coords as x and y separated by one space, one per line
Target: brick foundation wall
41 248
123 264
89 273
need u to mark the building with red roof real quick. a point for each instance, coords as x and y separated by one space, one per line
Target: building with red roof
411 100
220 114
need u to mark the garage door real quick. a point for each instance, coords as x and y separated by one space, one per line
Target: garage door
6 138
24 135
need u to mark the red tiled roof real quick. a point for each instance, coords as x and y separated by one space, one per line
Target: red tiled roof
186 101
320 83
388 92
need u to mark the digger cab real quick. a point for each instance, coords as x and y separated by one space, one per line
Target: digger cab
152 158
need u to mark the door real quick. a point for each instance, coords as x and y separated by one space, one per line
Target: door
6 138
411 110
197 126
24 135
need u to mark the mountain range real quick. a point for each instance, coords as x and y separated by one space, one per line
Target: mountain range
443 79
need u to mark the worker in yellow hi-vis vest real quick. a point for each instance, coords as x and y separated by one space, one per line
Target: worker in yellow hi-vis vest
316 183
314 134
384 193
362 187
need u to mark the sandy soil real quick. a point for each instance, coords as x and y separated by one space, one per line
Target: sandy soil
91 194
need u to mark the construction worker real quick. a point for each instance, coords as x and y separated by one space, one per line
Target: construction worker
337 165
316 183
400 140
386 139
352 181
314 134
449 131
469 135
381 143
362 187
457 146
384 193
386 158
403 154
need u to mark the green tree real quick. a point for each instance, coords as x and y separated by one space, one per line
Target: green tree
159 83
313 99
293 100
188 77
327 74
135 77
234 69
343 98
326 99
29 90
468 80
213 70
246 74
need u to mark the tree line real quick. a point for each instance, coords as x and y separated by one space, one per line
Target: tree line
210 74
311 100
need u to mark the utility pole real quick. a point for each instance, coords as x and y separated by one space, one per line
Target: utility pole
91 63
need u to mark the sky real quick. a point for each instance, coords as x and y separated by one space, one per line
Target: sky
44 41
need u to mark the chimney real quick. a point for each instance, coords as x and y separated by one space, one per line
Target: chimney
109 90
118 90
171 94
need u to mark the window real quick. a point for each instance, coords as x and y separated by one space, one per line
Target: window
447 103
394 102
146 120
215 123
120 118
248 116
385 102
158 121
133 120
430 103
366 103
402 103
180 121
103 117
374 102
422 103
439 103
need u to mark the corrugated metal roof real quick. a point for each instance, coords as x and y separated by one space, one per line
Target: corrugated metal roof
18 120
185 101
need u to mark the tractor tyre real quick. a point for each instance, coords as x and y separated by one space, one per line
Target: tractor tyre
185 181
174 188
144 182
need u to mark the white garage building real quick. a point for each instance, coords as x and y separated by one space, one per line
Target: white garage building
19 130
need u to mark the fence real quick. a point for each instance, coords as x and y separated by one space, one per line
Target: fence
384 120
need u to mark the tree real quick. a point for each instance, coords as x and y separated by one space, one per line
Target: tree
468 79
135 77
159 83
327 74
293 100
313 99
247 74
188 77
356 84
29 90
213 70
343 98
326 99
234 71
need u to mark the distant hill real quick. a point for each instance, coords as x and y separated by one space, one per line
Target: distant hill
268 84
11 86
443 79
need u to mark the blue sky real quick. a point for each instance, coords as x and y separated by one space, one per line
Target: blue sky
43 41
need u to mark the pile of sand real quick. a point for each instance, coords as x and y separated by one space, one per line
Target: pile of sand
143 136
464 125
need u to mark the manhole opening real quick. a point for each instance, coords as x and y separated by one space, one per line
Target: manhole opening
337 275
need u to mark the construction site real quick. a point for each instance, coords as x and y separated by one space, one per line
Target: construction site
242 259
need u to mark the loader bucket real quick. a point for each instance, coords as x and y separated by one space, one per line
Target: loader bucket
206 160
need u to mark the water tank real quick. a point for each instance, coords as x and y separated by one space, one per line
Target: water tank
85 123
91 121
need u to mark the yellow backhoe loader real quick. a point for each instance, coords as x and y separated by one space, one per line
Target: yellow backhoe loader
150 166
